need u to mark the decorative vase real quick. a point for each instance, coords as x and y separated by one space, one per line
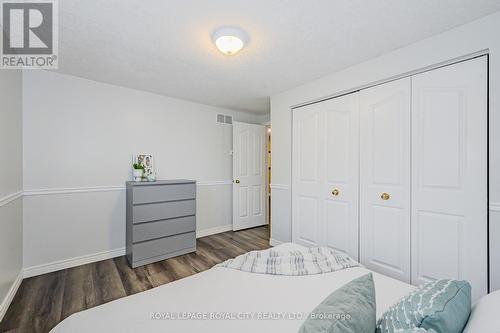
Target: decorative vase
138 173
151 177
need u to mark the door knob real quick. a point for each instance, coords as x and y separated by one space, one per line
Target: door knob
335 192
237 181
385 196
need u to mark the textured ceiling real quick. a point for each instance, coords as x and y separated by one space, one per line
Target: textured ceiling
165 47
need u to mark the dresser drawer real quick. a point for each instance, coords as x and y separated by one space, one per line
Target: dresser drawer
163 210
163 228
160 193
158 247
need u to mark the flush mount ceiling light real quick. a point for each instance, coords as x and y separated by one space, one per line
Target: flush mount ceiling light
229 40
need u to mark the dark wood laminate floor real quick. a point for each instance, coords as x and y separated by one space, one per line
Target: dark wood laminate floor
43 301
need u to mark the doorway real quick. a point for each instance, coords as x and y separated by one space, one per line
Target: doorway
268 185
250 193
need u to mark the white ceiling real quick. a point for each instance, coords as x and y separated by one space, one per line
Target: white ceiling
165 46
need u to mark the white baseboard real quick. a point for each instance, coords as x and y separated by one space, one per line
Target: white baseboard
274 242
213 231
244 226
86 259
10 295
72 262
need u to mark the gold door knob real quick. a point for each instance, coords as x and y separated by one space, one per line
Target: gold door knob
385 196
237 181
335 192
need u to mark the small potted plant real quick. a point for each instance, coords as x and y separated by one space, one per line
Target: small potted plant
138 172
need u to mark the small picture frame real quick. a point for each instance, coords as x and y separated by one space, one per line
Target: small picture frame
147 161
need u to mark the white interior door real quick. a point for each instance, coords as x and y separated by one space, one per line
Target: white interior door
385 179
249 177
449 182
340 188
308 174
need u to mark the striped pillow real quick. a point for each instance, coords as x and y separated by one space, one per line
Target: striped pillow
415 330
441 305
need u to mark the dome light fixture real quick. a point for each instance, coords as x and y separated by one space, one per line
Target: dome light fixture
229 40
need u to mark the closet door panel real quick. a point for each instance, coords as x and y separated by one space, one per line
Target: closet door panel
337 228
326 175
308 176
385 179
340 191
449 214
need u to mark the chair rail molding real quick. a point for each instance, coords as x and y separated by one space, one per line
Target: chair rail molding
495 206
279 186
214 182
10 197
71 190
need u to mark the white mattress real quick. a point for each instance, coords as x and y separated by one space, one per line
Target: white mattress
228 292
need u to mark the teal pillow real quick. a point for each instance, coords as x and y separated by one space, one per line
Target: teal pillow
349 309
441 305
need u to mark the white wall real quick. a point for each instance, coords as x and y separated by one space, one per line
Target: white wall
11 185
79 136
473 37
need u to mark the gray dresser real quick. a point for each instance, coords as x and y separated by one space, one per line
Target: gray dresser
161 220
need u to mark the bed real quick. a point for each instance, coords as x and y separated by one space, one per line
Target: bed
240 302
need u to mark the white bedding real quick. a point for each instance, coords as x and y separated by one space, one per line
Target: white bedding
224 291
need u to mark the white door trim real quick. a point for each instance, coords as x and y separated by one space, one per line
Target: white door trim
394 78
249 175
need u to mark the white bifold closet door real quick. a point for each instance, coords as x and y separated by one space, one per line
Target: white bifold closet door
449 174
308 142
326 175
410 156
385 179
